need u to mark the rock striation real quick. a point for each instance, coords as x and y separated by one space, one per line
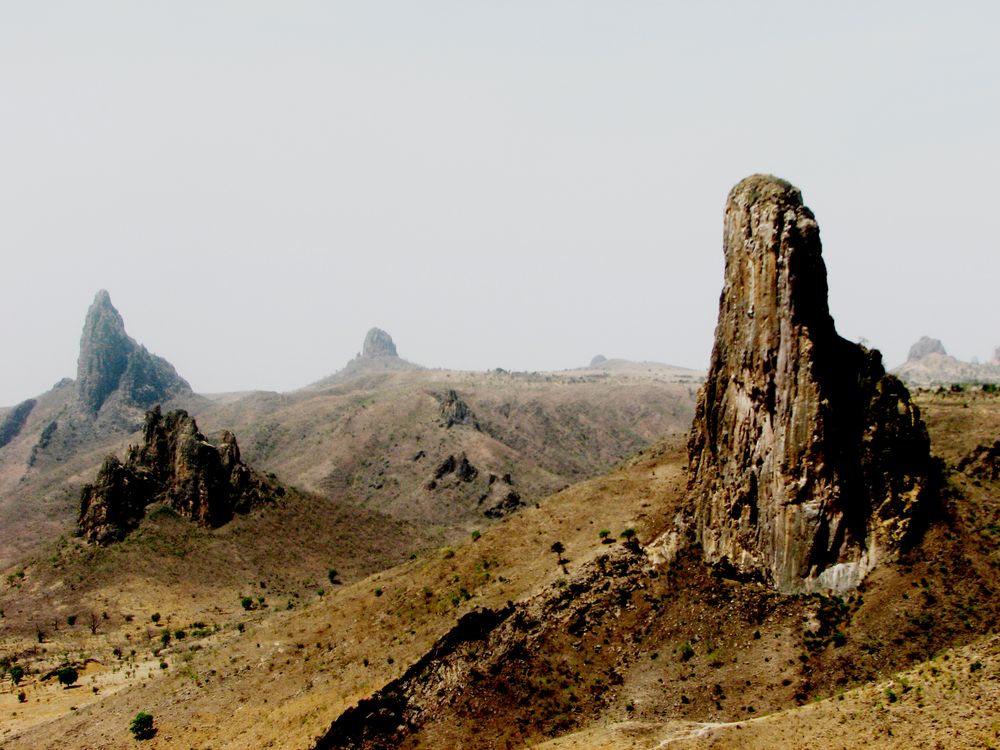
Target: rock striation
807 462
177 466
378 343
925 346
113 363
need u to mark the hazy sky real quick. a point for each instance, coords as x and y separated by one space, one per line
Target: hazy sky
497 184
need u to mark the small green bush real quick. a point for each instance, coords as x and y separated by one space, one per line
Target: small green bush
16 673
246 602
155 617
142 726
686 651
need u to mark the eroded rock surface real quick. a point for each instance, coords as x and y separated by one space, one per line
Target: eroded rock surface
807 462
111 362
175 465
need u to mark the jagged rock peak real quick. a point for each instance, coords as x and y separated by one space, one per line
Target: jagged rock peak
807 462
378 343
175 465
112 362
926 345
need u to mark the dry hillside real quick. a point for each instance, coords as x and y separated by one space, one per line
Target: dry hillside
592 645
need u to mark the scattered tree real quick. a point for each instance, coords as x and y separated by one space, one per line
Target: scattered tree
142 726
67 676
16 673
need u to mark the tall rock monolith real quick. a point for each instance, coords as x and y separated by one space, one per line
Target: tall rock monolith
808 463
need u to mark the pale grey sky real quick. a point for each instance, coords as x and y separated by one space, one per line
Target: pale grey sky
497 184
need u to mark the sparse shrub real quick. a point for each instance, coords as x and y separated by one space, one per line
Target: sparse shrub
71 620
180 634
142 726
378 592
246 602
155 617
890 695
604 533
16 673
686 650
165 637
475 535
21 697
975 666
67 676
332 574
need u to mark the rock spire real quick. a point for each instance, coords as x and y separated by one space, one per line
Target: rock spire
807 462
378 343
111 363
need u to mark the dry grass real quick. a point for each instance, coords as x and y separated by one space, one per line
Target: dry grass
918 629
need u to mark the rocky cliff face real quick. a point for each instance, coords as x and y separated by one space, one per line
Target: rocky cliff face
378 343
13 421
112 363
807 462
924 346
177 466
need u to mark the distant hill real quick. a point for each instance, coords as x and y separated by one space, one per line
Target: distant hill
442 451
928 364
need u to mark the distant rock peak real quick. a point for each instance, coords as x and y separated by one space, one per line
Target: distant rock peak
808 463
112 362
378 343
924 347
598 360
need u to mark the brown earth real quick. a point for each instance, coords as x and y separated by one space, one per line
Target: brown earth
677 647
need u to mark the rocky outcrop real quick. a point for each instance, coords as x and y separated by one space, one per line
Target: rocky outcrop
177 466
378 343
996 356
455 411
378 357
925 346
807 462
13 421
111 362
